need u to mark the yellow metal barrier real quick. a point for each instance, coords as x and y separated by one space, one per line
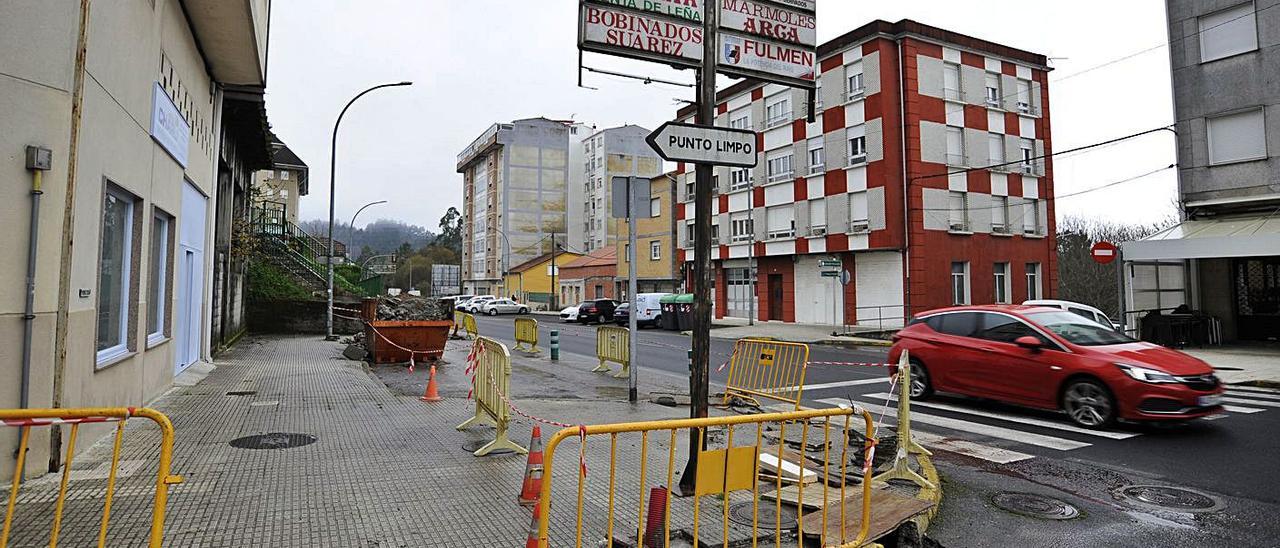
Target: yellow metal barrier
906 445
28 418
613 344
527 333
457 323
767 369
727 470
469 325
491 379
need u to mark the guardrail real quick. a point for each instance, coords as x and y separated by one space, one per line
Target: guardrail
613 344
880 317
489 365
25 419
767 369
527 334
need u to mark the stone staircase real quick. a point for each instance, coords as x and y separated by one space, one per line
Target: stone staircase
290 249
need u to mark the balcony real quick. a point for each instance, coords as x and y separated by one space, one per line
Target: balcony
856 93
783 176
957 160
859 227
857 160
779 120
818 169
782 234
951 94
818 230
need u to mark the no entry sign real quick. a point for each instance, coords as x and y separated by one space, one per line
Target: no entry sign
1104 252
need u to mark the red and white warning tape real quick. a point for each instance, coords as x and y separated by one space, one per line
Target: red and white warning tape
854 364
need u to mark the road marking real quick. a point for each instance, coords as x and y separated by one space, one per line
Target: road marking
1244 410
968 448
1253 402
1232 392
840 384
1028 438
1253 389
1016 418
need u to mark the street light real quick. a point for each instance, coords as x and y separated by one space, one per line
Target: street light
333 166
351 231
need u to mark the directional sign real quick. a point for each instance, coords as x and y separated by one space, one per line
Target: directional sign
830 273
827 263
718 146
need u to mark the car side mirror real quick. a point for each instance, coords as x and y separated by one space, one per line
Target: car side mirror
1028 342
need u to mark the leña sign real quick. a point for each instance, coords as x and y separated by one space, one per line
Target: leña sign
684 9
639 35
704 145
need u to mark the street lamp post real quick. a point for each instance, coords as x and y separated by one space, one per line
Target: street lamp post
351 230
333 166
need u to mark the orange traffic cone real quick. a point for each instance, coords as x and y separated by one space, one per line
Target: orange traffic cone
532 471
532 540
433 391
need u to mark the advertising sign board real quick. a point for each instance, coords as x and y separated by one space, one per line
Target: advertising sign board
770 21
651 37
752 57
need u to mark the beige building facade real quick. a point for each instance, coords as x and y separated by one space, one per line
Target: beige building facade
278 190
657 268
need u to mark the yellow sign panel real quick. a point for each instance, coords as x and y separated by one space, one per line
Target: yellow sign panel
766 356
714 477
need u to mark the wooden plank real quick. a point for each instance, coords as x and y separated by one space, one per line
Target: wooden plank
888 511
791 469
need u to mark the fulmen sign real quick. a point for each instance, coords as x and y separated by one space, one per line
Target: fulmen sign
770 40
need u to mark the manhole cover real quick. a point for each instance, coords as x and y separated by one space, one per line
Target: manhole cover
242 392
274 440
473 446
1170 498
1035 506
740 513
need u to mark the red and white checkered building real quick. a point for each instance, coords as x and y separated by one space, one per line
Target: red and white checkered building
902 108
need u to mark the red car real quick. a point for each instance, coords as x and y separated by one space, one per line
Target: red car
1053 359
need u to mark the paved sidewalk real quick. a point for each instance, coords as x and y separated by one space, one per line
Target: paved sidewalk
1254 364
736 328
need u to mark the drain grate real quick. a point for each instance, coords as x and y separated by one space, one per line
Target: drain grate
274 440
740 513
1170 498
1035 506
242 392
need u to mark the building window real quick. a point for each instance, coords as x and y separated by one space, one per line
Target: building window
993 90
817 94
1033 281
742 228
599 291
779 165
817 160
995 151
818 217
782 222
859 222
1237 137
857 146
1001 277
1024 96
1031 216
960 283
955 147
1000 214
689 189
777 110
958 208
1231 31
1028 156
688 233
740 119
158 277
853 75
626 252
115 275
715 232
655 251
951 87
284 175
739 179
655 207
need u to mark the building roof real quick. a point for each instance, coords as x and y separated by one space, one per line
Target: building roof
545 257
284 157
605 256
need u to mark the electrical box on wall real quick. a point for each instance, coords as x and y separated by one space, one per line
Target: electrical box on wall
40 159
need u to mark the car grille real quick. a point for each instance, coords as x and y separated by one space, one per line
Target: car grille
1200 382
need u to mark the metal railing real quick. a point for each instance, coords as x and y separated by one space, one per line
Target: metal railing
767 369
490 366
877 317
613 344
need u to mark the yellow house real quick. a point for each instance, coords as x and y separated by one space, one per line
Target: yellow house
657 269
530 282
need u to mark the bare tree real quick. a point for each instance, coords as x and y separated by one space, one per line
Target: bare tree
1080 278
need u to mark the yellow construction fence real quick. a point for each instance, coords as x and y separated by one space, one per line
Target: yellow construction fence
490 362
767 369
527 334
613 344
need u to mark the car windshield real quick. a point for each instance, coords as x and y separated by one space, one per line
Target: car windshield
1078 329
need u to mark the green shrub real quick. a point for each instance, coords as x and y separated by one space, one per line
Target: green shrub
268 283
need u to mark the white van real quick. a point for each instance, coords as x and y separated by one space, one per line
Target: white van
648 310
1078 309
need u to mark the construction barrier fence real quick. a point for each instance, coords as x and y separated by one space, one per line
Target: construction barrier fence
489 365
767 369
527 334
465 324
906 445
613 344
749 467
26 419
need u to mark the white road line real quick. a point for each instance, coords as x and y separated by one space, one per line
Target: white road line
968 448
1028 438
1275 397
1253 402
1253 389
1018 419
840 384
1244 410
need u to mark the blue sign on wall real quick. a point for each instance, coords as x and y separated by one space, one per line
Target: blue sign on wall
168 127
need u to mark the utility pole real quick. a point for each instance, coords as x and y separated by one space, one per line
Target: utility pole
555 291
410 288
633 335
699 377
751 249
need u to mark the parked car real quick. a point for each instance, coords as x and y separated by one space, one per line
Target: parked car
1053 359
598 311
503 306
460 300
1078 308
569 313
649 307
473 305
622 315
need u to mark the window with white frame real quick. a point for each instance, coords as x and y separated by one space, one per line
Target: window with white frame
817 159
1000 214
1031 216
951 82
993 89
1028 148
689 188
1000 273
158 277
715 231
854 78
777 110
859 221
817 94
818 217
995 151
1237 137
1228 32
782 221
1033 281
655 250
655 207
741 227
115 275
958 210
1024 96
688 233
778 164
284 193
740 119
955 147
284 175
739 179
857 145
960 283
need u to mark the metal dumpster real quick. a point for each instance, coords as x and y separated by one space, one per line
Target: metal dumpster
391 341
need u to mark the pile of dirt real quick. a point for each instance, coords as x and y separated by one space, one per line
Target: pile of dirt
413 309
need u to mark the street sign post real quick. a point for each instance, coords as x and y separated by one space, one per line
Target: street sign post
718 146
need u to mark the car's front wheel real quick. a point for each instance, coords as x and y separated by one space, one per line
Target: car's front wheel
522 310
493 312
921 385
1089 403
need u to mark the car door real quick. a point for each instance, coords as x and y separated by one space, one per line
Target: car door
1011 372
951 355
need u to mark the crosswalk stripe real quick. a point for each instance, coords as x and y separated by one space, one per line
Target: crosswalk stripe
840 384
1028 438
1233 392
1257 389
1243 410
1253 402
1019 419
968 448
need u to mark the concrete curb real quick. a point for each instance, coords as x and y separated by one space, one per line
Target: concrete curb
855 343
1258 384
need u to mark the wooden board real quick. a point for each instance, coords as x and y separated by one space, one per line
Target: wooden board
792 470
888 511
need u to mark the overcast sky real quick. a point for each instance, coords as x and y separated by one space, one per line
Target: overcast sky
477 62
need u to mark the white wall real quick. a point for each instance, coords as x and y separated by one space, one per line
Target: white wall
879 283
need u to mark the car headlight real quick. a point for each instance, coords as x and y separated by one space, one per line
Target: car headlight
1143 374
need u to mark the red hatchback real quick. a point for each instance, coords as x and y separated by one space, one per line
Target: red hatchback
1053 359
